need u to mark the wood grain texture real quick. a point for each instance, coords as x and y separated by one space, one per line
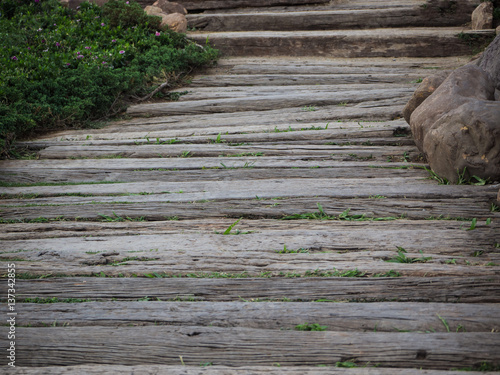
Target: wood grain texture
324 19
220 370
477 289
351 317
268 102
234 346
405 42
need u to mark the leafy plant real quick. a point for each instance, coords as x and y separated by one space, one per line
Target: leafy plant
62 67
402 258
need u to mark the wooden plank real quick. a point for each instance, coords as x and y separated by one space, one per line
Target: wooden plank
246 91
367 111
220 370
229 80
202 264
407 42
477 289
164 192
234 346
311 64
414 209
233 134
268 102
381 153
342 317
305 233
326 19
79 175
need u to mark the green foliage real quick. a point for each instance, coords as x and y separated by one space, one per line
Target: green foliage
62 67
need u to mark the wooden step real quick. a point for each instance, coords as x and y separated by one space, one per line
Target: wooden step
221 370
412 16
270 208
379 153
476 289
230 80
404 42
269 247
348 317
271 101
51 346
247 127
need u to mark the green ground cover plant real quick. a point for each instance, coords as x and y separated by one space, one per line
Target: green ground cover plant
65 68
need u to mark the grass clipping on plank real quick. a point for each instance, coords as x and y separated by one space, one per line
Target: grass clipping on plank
66 68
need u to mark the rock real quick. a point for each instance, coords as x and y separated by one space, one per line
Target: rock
426 88
153 10
176 22
498 30
490 61
458 126
482 17
169 7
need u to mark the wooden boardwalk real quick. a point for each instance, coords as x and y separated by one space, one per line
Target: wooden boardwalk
276 219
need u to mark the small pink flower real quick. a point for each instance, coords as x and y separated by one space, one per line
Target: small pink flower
87 47
103 24
55 25
104 62
36 1
114 41
68 64
157 33
127 2
58 44
29 49
14 58
122 52
80 57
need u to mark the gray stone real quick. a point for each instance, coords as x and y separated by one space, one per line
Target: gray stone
482 17
458 126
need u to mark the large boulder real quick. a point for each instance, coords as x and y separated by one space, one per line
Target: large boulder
482 17
457 127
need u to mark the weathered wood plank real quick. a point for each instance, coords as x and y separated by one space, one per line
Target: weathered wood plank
419 209
268 102
234 346
270 235
408 42
183 262
367 111
343 317
380 153
233 134
221 370
245 91
477 289
229 80
79 175
164 192
326 19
